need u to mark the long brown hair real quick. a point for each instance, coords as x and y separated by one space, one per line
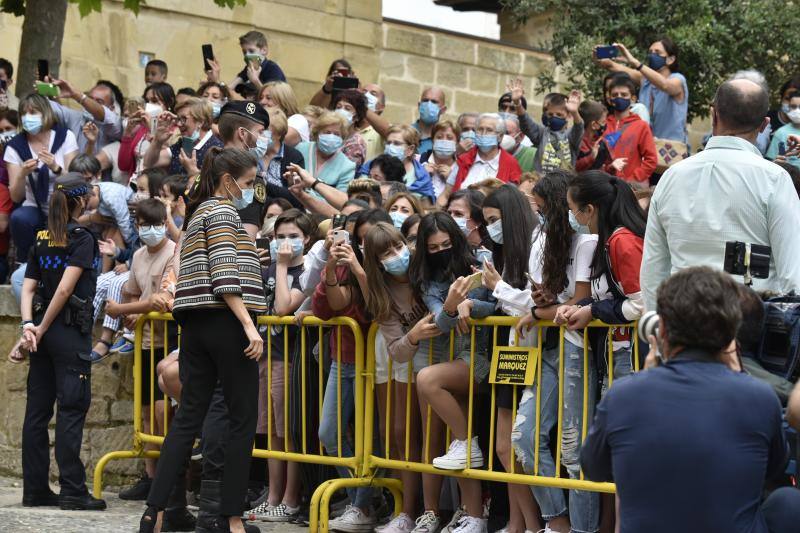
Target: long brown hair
59 215
217 162
381 237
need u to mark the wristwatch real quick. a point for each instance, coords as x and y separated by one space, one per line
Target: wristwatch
640 66
314 185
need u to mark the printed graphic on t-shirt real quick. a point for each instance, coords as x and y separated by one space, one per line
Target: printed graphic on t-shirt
556 155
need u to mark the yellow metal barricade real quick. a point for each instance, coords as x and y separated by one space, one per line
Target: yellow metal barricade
375 460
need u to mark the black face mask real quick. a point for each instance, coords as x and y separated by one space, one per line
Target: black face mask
441 260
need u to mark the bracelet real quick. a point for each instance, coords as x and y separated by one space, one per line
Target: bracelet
324 90
331 284
640 66
314 185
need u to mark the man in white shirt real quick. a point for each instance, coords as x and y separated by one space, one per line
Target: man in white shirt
101 105
727 192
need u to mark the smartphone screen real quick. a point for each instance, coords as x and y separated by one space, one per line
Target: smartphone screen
208 53
262 243
341 83
338 221
187 145
606 52
43 67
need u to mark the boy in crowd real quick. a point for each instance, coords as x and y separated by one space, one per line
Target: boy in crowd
592 153
557 146
258 69
147 268
172 194
628 138
155 72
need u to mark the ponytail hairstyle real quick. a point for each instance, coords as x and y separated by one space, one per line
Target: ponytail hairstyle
616 206
68 194
553 189
216 163
380 238
511 257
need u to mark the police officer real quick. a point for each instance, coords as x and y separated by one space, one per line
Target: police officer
57 294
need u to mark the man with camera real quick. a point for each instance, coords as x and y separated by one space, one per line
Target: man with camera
691 441
728 193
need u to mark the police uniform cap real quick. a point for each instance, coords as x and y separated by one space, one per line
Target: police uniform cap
72 184
250 110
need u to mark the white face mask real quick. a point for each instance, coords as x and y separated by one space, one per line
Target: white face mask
794 116
508 143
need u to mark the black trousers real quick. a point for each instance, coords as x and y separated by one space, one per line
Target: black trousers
57 375
212 348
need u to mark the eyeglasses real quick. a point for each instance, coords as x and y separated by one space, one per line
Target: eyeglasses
182 119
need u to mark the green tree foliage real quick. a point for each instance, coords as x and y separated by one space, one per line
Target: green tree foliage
715 38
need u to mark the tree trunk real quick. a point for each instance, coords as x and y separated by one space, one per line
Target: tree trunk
42 33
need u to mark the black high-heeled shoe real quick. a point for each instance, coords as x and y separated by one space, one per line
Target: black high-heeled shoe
147 524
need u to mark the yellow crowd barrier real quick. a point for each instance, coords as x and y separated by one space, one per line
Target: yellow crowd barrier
366 461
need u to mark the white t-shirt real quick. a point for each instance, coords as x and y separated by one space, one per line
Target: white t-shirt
112 153
300 123
579 268
69 145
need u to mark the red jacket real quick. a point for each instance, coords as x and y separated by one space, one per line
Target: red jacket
631 138
585 158
508 170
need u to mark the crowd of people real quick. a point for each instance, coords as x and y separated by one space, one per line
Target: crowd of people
232 200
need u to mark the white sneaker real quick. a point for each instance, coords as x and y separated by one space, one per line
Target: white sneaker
470 524
352 521
401 523
456 456
453 523
428 522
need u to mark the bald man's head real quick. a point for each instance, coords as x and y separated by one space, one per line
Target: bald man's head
740 106
435 94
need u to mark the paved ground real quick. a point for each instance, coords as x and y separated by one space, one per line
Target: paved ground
121 516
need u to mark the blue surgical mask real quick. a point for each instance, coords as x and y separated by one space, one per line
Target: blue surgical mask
32 123
486 142
468 135
398 218
577 226
785 108
152 235
195 135
397 265
483 254
328 143
216 107
263 142
372 101
444 147
655 61
495 230
429 113
461 222
245 200
344 113
394 150
621 104
297 248
557 123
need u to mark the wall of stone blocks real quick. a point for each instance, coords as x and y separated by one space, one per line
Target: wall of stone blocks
472 73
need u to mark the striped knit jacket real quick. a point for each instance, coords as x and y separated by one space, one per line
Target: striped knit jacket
218 257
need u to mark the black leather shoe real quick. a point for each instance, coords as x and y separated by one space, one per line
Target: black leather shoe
208 523
179 519
45 499
87 502
147 524
138 491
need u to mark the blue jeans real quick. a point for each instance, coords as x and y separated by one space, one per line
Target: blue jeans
584 509
25 221
17 278
328 430
622 366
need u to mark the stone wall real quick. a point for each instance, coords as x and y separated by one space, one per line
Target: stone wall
108 424
472 72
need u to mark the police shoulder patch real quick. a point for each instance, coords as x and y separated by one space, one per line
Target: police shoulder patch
260 192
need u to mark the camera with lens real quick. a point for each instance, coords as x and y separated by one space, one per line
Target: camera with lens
748 260
648 325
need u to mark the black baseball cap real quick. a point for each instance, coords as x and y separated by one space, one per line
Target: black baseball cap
250 110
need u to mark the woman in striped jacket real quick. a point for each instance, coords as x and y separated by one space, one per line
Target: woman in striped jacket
218 296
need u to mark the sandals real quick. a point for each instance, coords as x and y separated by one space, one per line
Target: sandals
96 356
18 354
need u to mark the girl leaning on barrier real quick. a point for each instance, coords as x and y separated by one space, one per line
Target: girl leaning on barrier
218 295
440 271
517 253
566 277
608 207
340 293
56 308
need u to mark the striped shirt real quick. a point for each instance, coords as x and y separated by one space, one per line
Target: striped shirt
218 257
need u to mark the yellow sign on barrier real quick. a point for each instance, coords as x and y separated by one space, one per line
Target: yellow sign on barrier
513 365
